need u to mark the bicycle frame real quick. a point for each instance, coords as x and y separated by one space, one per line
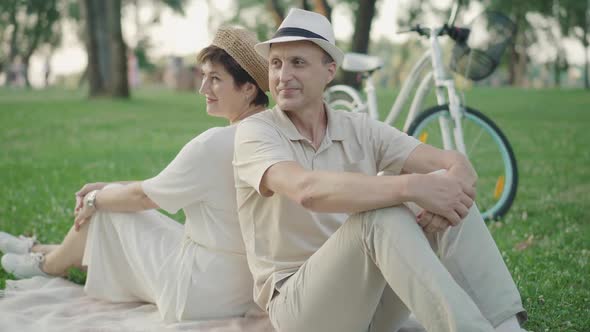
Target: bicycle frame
436 77
428 72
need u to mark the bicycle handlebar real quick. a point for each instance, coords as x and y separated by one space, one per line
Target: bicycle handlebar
458 34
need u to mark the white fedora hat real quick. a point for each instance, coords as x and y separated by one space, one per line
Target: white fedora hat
304 25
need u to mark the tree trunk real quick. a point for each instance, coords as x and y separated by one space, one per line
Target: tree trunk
585 43
586 65
517 66
277 12
521 69
323 7
557 72
107 59
37 30
13 51
518 59
512 64
26 63
360 38
305 5
120 85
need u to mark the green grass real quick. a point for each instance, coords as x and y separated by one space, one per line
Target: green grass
52 142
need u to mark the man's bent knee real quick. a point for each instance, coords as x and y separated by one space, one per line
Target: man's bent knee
388 216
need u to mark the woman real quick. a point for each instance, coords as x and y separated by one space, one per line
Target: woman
133 253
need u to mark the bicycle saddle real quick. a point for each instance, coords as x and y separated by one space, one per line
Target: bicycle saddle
358 62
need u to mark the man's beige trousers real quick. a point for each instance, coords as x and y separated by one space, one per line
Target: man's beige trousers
380 265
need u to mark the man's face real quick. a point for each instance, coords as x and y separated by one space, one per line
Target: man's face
298 74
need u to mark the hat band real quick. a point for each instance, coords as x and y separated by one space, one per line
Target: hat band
297 32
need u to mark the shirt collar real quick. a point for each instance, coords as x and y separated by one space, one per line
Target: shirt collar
335 124
333 132
286 125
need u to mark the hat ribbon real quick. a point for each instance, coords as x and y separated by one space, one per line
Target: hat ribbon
296 32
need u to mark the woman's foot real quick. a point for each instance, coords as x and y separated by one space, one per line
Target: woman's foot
16 245
24 266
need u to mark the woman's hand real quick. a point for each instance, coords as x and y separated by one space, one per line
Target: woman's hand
84 191
83 214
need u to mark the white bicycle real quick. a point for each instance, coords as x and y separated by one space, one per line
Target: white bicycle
450 124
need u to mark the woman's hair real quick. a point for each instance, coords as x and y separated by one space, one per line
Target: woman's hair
218 55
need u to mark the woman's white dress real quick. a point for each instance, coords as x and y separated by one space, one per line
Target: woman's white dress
193 272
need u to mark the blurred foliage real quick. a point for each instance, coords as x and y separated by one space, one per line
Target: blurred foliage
141 52
30 26
567 18
142 44
25 26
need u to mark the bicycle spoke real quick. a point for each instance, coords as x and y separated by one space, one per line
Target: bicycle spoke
481 132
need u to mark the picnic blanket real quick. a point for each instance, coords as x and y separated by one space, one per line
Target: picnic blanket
55 305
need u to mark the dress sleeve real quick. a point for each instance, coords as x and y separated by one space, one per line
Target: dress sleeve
258 145
392 147
186 180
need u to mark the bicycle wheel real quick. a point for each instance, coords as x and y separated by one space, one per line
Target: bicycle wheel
343 98
488 150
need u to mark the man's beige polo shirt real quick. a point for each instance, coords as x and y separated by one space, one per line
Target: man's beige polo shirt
281 235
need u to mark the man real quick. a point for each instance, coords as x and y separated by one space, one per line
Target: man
332 246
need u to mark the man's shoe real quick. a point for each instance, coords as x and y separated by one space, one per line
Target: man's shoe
24 266
10 244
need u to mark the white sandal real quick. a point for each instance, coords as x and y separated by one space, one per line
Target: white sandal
16 245
24 266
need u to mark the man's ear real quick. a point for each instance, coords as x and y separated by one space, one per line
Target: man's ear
331 71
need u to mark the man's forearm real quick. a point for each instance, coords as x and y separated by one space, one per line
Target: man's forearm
352 192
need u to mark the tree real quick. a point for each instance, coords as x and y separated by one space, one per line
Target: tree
3 35
524 37
365 12
107 59
585 28
25 26
573 19
9 29
269 13
323 7
518 56
107 51
578 25
277 8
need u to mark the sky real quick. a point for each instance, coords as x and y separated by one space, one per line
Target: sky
186 35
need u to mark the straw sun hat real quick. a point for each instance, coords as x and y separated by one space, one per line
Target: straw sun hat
239 44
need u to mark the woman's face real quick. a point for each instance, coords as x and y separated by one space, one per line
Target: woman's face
224 99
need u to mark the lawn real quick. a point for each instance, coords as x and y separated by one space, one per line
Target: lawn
54 141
